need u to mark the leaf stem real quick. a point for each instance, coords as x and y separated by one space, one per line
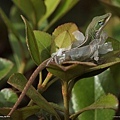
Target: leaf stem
48 77
22 67
65 99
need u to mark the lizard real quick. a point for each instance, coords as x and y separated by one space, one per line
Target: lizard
94 29
82 50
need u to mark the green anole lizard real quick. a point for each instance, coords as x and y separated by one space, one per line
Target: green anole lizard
94 29
93 32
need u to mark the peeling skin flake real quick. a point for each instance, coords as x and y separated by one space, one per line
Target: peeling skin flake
79 37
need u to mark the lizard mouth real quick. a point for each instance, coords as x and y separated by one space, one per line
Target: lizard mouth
107 18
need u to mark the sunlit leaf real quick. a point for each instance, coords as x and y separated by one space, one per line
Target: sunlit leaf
19 81
63 40
33 9
9 97
69 27
51 5
63 36
64 7
5 67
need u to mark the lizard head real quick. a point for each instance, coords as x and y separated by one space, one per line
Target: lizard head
97 24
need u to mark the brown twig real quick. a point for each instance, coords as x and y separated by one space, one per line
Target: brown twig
29 83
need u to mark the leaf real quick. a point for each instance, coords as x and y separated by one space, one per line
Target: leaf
9 97
63 8
31 42
18 23
15 40
33 9
105 102
63 40
5 67
66 72
68 27
115 72
17 50
9 24
63 36
18 81
115 43
22 113
51 5
89 98
83 95
44 43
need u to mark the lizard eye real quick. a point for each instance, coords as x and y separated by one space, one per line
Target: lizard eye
100 23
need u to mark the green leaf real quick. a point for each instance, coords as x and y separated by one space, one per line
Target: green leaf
115 43
9 24
63 36
66 72
5 67
16 19
9 97
22 113
83 96
63 40
109 80
33 9
51 5
2 100
69 27
105 102
63 8
15 40
19 81
115 72
89 98
44 43
17 53
31 42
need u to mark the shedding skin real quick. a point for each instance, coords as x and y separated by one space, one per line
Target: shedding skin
95 28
